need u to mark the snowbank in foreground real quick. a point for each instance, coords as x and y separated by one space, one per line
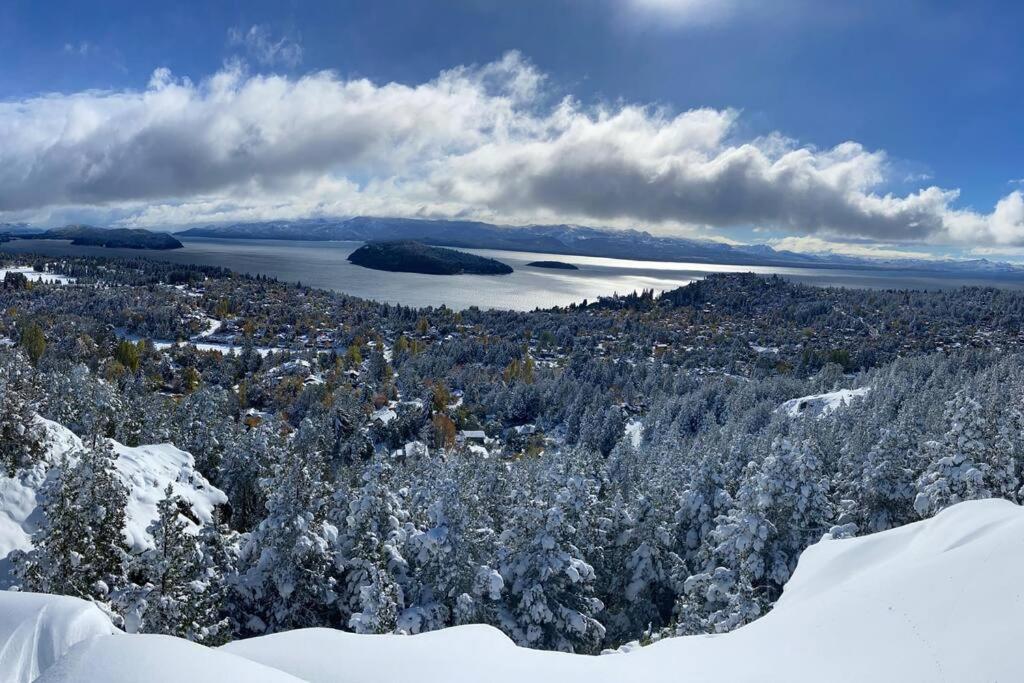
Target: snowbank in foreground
938 600
36 630
156 659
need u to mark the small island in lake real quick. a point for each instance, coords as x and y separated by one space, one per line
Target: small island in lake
556 265
114 238
405 256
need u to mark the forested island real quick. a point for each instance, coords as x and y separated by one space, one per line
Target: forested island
113 238
406 256
553 265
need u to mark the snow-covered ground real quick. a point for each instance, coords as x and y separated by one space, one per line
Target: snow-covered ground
36 630
635 432
226 349
34 276
212 326
938 600
820 405
145 469
156 659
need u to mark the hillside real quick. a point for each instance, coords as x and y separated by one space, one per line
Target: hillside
905 604
415 257
146 470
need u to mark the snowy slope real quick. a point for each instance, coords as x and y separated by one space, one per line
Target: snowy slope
938 600
820 405
37 630
145 469
18 505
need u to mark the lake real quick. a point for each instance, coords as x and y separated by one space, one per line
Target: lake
324 265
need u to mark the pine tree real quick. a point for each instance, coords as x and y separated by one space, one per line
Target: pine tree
79 548
978 457
450 581
218 605
247 459
715 601
287 560
548 599
370 553
781 508
174 594
21 438
34 342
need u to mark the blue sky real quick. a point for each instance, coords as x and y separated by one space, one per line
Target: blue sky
728 119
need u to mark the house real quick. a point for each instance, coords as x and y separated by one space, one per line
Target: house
472 436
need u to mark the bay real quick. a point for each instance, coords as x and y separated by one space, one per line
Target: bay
324 265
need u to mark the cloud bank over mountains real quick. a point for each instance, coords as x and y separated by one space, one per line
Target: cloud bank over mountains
493 142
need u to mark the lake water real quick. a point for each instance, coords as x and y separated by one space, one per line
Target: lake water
324 265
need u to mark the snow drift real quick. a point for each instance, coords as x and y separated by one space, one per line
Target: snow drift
938 600
156 659
37 630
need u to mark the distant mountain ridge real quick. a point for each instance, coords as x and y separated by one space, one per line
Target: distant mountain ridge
575 240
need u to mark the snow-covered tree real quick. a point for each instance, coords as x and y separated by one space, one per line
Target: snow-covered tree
246 460
450 581
715 601
200 426
549 600
21 438
174 593
877 490
370 552
781 508
286 562
977 457
79 548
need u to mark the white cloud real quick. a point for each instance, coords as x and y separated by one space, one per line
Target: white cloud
264 48
474 142
80 49
684 12
815 245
